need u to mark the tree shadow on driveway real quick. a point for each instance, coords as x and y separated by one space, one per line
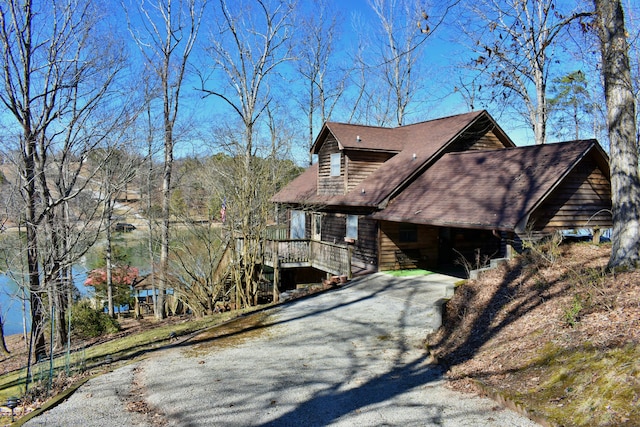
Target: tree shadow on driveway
345 358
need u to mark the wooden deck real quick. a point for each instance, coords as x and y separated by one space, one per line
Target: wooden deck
329 257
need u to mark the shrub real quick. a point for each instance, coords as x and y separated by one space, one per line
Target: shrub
571 314
87 322
545 251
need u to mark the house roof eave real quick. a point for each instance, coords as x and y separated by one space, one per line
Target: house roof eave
436 223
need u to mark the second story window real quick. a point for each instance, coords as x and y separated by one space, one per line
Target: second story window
335 164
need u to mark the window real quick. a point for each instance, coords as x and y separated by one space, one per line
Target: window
352 227
336 159
297 224
408 233
316 227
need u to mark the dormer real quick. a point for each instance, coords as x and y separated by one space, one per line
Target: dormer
331 168
347 154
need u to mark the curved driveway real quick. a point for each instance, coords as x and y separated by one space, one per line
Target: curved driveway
350 357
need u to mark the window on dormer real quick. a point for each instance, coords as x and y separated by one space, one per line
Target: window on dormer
335 164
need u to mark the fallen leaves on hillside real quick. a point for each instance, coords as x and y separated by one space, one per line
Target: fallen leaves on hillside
499 329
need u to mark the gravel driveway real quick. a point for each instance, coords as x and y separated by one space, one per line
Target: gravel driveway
349 357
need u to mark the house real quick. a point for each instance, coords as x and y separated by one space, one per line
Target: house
425 195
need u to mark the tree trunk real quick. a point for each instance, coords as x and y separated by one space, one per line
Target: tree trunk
54 279
61 332
625 182
3 345
37 312
108 261
166 212
540 127
150 220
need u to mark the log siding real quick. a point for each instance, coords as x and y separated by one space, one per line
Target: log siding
582 201
364 248
477 140
395 255
330 185
362 164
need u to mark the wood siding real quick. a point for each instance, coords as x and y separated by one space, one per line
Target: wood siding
395 255
477 141
582 201
488 141
330 185
361 164
365 247
334 228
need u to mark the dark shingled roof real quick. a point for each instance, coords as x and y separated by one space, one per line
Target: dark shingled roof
360 137
493 189
302 189
426 140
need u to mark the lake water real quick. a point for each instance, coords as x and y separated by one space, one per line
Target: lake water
11 304
132 245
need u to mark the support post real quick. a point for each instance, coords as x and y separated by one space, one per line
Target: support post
276 281
276 272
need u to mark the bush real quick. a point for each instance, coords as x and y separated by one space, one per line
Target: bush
87 322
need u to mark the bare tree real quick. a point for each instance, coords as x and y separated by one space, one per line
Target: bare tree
390 70
317 63
249 46
386 62
116 168
514 43
166 32
197 253
401 48
621 121
56 76
632 22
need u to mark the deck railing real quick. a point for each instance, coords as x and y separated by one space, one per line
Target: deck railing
286 251
276 232
330 257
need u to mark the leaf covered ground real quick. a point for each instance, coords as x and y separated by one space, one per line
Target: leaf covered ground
551 331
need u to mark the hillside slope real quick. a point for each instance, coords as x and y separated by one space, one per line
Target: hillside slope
551 331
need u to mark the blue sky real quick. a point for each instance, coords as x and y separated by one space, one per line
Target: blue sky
440 52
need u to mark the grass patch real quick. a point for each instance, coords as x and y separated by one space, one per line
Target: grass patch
587 386
93 359
408 273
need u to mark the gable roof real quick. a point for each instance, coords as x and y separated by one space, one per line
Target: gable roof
418 145
493 189
361 137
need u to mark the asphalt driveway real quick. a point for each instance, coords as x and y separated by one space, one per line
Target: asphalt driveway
349 357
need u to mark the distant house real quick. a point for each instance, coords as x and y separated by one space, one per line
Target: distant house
124 227
427 194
